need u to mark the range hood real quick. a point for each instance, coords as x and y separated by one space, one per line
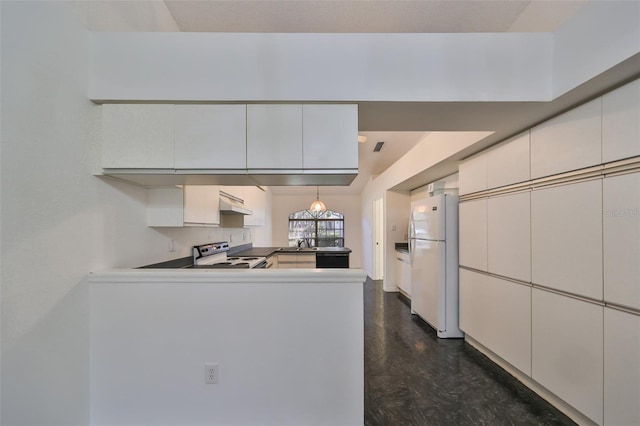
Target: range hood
230 205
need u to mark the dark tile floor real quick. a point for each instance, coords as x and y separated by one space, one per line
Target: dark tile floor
414 378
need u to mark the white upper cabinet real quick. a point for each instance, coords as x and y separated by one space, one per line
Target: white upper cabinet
508 163
274 136
165 207
509 236
473 234
473 174
621 123
566 238
330 136
622 368
568 142
137 136
622 240
202 205
567 350
255 200
210 137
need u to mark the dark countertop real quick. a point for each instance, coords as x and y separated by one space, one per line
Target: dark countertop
187 262
268 251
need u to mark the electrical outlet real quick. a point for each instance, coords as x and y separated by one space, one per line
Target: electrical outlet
211 373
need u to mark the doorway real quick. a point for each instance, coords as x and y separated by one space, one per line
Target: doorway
378 239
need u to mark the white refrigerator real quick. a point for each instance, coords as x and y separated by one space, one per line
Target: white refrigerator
433 245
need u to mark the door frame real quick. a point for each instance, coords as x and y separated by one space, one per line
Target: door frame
378 239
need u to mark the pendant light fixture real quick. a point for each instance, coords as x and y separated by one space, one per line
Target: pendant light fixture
317 205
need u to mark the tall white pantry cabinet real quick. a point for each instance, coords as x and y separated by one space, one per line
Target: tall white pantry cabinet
550 257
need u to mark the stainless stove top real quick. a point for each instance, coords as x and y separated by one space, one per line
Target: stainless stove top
214 255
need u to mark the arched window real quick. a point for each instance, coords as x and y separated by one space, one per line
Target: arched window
308 228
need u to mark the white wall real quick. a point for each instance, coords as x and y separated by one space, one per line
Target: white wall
51 203
313 67
348 205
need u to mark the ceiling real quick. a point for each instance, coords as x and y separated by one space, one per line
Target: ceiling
401 125
371 16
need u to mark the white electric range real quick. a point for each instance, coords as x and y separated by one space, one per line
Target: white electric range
214 255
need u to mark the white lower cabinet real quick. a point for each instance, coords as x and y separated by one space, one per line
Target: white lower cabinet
403 272
621 368
296 261
509 236
497 313
474 318
567 350
566 238
473 234
509 314
622 240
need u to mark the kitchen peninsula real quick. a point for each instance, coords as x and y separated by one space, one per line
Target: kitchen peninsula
287 343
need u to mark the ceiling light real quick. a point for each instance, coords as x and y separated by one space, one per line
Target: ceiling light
317 206
362 139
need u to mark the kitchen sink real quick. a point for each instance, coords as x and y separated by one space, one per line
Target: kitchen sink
307 249
294 249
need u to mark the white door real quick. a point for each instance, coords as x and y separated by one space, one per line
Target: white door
427 282
378 239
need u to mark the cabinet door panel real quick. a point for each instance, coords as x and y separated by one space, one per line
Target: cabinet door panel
508 163
621 368
473 174
568 142
274 136
567 350
509 314
330 136
509 236
566 238
202 205
211 137
137 136
621 123
473 234
474 317
622 239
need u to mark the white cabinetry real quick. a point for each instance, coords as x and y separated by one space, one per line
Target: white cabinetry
622 239
567 342
197 205
568 142
497 313
508 163
165 207
255 200
202 205
330 135
297 261
621 368
621 123
509 320
137 136
474 318
566 238
403 272
473 234
274 137
210 137
473 174
509 236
